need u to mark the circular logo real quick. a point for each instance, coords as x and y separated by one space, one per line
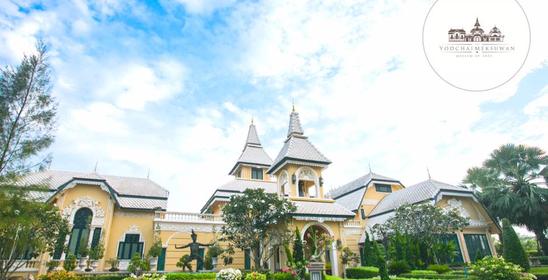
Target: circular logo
476 45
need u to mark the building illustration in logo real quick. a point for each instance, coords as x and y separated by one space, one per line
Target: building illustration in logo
477 34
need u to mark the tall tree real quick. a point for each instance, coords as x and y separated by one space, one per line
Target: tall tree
507 185
257 221
27 114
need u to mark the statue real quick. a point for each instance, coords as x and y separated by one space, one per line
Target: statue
194 250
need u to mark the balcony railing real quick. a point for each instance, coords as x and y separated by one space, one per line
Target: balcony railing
184 217
352 224
27 265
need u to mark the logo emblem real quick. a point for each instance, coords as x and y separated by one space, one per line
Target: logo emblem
470 56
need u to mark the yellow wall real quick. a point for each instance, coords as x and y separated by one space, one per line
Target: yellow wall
245 173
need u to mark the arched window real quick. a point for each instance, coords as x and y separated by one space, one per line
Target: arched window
80 230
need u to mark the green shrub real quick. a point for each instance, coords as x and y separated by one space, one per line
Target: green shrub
103 277
362 272
543 260
398 267
512 250
496 268
439 268
255 276
540 272
189 276
436 276
70 262
137 264
422 272
282 276
59 275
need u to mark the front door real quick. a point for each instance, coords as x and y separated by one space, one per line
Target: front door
200 266
162 260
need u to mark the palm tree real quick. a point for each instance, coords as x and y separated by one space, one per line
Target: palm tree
509 184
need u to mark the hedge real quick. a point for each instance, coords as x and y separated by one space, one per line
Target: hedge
362 272
540 272
437 276
189 276
102 277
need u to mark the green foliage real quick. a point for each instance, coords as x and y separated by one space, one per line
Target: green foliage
496 268
27 114
512 249
97 252
505 184
255 276
435 276
368 254
381 263
51 265
318 242
137 264
113 264
422 272
190 276
60 275
102 277
362 272
540 272
282 276
156 248
439 268
348 257
296 259
185 263
256 220
26 224
70 262
398 267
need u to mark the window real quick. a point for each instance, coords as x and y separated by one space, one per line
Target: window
247 259
256 173
130 246
96 237
383 188
80 231
477 246
362 212
457 258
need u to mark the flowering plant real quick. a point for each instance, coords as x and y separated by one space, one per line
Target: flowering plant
229 274
255 276
496 268
146 276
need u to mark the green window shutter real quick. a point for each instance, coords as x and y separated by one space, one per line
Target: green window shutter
477 246
247 259
162 260
200 265
96 237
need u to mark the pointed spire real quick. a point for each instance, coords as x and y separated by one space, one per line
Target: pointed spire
295 127
477 23
95 168
428 171
252 137
148 173
370 168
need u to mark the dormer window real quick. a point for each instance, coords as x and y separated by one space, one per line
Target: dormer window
239 173
256 173
383 188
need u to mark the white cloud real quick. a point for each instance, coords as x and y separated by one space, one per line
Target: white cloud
204 6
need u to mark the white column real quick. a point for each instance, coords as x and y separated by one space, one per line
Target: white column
334 259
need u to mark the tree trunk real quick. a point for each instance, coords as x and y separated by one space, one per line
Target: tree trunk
257 257
542 241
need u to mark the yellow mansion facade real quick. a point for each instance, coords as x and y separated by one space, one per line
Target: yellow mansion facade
127 214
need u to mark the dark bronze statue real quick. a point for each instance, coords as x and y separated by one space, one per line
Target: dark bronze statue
194 250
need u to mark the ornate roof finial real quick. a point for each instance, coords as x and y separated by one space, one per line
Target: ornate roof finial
370 167
251 119
95 168
428 171
477 23
293 104
148 173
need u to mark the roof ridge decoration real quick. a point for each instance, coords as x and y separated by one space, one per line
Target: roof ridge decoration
253 152
297 148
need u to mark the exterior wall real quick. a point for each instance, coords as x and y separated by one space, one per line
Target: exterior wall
372 197
291 169
245 172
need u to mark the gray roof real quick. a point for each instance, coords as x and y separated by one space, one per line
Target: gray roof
130 192
297 147
238 186
358 183
253 152
314 208
423 191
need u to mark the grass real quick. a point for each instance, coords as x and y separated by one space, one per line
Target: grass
539 270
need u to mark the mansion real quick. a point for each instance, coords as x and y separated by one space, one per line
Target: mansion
127 214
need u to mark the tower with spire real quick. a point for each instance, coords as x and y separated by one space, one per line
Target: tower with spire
253 161
299 164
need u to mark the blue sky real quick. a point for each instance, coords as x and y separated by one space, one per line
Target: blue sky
171 86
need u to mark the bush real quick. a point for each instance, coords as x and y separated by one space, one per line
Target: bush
436 276
190 276
398 267
229 274
70 262
255 276
496 268
439 268
102 277
540 272
543 260
283 276
362 272
137 264
59 275
147 276
422 272
512 250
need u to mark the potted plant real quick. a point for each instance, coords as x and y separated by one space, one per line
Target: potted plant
113 264
214 251
95 254
153 253
83 252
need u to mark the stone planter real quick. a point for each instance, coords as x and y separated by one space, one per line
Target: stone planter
83 263
316 270
153 261
214 263
94 265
